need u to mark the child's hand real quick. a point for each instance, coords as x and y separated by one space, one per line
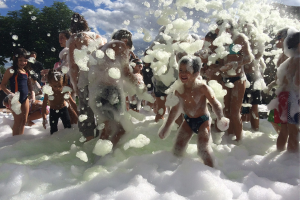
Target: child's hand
223 123
44 123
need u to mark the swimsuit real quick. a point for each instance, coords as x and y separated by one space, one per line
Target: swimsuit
63 114
195 123
18 83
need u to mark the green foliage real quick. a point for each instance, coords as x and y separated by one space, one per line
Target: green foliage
32 34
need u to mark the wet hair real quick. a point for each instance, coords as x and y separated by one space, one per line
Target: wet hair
78 24
33 52
67 33
195 63
54 75
211 35
293 40
281 34
18 53
123 34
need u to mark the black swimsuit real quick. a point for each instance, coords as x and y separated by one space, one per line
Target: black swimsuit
18 83
195 123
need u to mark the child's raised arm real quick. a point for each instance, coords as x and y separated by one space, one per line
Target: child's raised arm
223 122
174 114
44 107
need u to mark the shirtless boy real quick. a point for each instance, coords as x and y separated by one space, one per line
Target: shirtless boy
57 102
192 98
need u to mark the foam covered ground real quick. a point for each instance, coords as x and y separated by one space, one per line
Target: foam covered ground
39 166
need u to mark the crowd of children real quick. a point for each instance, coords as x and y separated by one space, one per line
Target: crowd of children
189 92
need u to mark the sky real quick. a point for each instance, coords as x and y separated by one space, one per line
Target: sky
105 16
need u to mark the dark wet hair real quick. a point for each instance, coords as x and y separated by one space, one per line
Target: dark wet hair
194 62
281 34
67 33
78 24
211 36
54 75
18 53
293 40
123 34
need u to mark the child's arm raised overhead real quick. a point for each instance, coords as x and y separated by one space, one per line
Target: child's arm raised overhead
223 122
174 114
44 107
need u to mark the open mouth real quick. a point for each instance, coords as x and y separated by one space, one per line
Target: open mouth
184 78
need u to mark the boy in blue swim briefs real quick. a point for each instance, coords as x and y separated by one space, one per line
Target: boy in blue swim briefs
191 98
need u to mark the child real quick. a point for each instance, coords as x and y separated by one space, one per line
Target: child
137 66
57 102
191 98
36 87
288 81
17 76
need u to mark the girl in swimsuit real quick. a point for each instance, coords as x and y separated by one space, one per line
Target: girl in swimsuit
233 72
17 75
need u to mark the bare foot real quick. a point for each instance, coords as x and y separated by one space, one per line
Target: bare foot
30 123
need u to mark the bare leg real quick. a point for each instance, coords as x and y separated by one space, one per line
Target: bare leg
254 121
183 137
161 108
20 120
202 144
282 137
293 141
226 111
34 116
237 95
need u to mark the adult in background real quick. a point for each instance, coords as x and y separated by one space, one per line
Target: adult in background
82 37
234 79
36 66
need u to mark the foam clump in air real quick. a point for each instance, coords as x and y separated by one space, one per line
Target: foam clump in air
139 142
218 90
103 147
15 37
99 54
82 156
47 89
81 118
81 58
114 73
110 53
31 60
223 124
66 89
65 69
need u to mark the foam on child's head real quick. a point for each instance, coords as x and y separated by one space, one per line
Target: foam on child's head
193 64
54 75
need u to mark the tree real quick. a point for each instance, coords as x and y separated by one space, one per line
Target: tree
36 30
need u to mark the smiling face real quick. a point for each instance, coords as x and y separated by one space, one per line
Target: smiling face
185 74
62 40
22 62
